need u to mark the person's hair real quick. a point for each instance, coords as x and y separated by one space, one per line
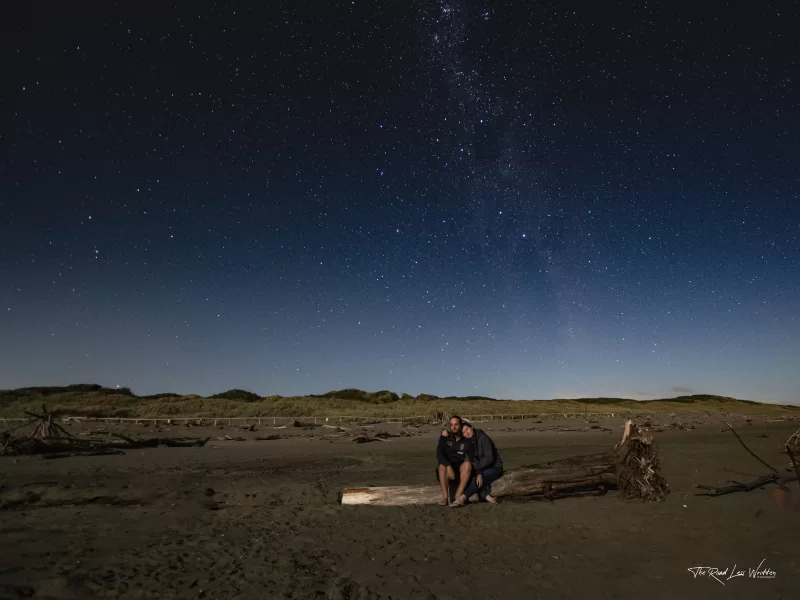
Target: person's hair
460 420
466 424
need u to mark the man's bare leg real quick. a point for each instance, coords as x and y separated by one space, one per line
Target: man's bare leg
464 470
446 474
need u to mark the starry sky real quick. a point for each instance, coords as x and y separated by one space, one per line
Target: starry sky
508 198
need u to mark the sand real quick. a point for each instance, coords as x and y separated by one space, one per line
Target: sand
261 519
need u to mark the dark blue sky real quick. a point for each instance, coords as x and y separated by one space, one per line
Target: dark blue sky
514 199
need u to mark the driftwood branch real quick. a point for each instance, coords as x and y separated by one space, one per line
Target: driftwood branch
794 463
753 454
775 477
778 480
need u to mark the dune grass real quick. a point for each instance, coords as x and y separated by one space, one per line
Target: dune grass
91 400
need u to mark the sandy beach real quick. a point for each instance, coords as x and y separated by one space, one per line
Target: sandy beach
262 519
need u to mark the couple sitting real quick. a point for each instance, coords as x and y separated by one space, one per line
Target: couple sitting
468 460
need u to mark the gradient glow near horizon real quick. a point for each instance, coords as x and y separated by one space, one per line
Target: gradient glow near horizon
455 198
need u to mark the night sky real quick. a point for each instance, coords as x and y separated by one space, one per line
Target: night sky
508 198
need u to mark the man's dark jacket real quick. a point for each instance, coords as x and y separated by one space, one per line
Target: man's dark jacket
451 452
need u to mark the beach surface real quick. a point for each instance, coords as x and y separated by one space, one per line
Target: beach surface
260 518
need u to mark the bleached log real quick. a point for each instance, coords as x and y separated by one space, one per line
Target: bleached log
577 474
393 495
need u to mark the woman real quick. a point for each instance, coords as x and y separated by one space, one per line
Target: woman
487 466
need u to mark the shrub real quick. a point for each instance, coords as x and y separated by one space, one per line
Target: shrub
164 396
384 397
241 395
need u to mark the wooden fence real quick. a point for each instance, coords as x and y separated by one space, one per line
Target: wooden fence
280 420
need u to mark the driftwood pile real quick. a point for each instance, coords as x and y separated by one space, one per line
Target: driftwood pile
632 467
51 440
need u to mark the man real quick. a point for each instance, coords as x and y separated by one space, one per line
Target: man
455 454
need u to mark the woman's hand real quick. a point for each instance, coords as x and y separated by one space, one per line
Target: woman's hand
479 480
445 433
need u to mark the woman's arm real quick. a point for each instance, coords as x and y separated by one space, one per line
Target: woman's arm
485 454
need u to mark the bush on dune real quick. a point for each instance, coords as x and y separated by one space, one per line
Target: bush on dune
163 396
427 397
381 397
241 395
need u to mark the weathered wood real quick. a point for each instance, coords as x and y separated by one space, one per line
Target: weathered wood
52 440
100 452
541 480
632 466
753 454
794 441
396 495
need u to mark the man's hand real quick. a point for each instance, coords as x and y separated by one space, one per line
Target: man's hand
479 480
444 433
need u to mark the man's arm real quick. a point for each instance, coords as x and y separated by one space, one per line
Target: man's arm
441 455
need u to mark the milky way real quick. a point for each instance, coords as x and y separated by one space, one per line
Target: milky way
507 198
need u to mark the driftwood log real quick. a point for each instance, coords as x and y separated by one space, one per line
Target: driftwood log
631 467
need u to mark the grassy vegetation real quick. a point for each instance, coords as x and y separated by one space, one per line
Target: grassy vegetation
95 400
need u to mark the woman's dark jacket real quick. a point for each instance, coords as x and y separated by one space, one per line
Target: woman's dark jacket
486 454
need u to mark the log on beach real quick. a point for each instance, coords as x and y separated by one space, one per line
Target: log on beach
631 467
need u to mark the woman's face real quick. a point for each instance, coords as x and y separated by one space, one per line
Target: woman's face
467 431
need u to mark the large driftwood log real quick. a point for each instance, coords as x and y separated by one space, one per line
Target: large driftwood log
632 467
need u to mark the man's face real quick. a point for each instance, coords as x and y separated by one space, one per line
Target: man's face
455 427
